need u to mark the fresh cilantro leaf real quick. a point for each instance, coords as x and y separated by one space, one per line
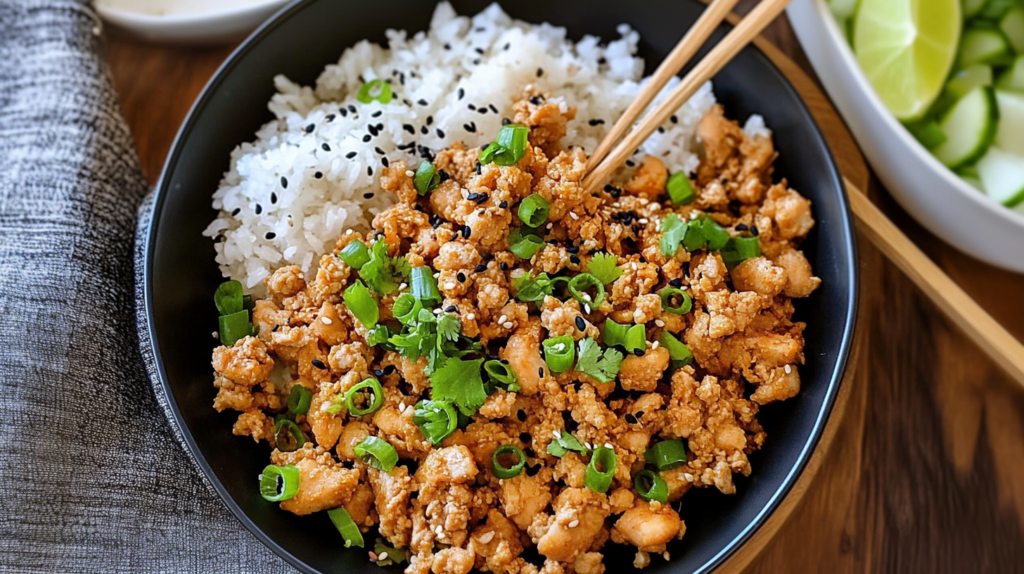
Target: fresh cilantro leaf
459 382
532 289
673 230
448 329
391 554
604 266
381 270
603 367
563 444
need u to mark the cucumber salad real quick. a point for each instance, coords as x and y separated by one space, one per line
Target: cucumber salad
952 71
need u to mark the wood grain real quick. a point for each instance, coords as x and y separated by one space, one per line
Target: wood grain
924 472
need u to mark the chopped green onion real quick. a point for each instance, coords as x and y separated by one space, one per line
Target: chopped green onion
347 527
747 247
362 304
509 147
582 282
375 90
650 486
229 298
377 453
563 443
426 179
601 470
279 483
694 238
378 336
666 455
355 254
406 308
716 235
532 289
534 210
559 353
678 353
388 555
524 243
502 374
437 420
234 327
501 471
613 333
299 399
247 303
378 397
635 339
679 189
424 286
288 436
668 294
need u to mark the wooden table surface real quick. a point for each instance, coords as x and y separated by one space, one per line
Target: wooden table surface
926 470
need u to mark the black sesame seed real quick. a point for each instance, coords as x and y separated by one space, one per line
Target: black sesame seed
373 130
536 100
581 324
443 175
353 154
326 147
319 174
466 231
378 373
310 128
352 108
389 369
461 277
447 46
742 227
540 72
376 114
504 266
409 128
343 112
492 108
639 414
270 235
661 129
503 205
319 364
284 182
596 122
487 257
440 132
480 268
368 195
461 93
273 197
384 161
378 150
630 163
451 309
479 29
540 372
236 211
367 138
630 418
369 171
421 102
521 415
472 107
754 231
677 282
276 327
424 130
479 51
574 259
481 111
640 352
473 196
477 168
674 119
483 197
505 121
470 127
259 209
635 228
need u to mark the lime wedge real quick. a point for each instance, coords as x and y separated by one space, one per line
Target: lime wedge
907 49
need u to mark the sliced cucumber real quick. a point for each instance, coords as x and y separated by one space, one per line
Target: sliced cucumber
1003 175
970 127
1010 133
1013 78
983 45
973 7
969 78
1012 25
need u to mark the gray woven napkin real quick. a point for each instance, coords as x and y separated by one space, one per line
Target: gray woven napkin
94 480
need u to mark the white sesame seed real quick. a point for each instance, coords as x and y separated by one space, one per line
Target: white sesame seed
659 322
301 276
438 529
503 318
644 201
789 369
549 226
449 285
403 285
643 221
574 524
215 335
326 320
586 309
609 445
382 556
324 406
586 296
471 316
436 275
587 445
573 215
410 172
633 266
348 232
556 434
508 325
688 477
487 537
654 345
437 311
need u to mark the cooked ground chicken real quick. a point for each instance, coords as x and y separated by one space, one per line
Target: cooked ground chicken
442 503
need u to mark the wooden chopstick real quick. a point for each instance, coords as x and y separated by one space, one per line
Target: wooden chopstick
722 54
957 305
696 36
993 339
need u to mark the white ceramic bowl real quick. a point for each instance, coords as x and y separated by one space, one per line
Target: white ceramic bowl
945 204
186 21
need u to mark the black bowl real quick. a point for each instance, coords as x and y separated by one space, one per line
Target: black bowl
181 276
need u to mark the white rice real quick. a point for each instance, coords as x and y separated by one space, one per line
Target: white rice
309 175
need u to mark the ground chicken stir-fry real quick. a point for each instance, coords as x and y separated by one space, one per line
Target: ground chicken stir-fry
471 388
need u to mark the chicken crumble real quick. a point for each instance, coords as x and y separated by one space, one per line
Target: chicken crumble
442 505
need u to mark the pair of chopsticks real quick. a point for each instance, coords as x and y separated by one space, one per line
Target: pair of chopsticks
624 138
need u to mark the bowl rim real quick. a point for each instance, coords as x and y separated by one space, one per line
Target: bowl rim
810 443
132 18
895 126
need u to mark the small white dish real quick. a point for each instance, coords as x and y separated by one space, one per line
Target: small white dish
947 205
186 21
